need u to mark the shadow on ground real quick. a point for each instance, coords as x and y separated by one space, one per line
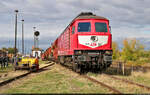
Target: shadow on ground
111 71
116 71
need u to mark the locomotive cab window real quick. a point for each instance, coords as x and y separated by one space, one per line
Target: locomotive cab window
84 27
73 29
100 27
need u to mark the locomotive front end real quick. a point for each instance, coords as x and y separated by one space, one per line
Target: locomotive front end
93 46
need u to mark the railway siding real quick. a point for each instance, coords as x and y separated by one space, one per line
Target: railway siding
118 84
13 75
131 82
138 77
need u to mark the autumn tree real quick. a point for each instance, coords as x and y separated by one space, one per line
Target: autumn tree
11 50
4 49
115 50
132 50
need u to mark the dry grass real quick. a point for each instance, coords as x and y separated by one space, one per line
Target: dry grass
7 73
139 77
56 80
122 86
61 80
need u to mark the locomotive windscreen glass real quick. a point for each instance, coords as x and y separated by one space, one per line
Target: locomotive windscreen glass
84 27
100 27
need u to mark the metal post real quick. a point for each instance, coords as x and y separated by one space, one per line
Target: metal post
16 11
37 42
22 37
34 36
25 51
15 51
123 71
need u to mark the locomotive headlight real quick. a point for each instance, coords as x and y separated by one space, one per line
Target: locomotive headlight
81 58
108 52
78 52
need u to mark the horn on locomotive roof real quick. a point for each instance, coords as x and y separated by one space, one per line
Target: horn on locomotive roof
85 13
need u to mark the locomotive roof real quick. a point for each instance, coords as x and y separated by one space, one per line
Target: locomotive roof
89 15
86 15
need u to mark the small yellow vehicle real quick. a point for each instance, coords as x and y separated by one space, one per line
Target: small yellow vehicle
27 63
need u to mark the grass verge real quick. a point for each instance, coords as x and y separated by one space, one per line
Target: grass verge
56 82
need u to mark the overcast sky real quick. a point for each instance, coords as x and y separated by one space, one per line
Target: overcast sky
128 18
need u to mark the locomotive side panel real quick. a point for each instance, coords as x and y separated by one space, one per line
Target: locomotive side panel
64 47
73 38
55 49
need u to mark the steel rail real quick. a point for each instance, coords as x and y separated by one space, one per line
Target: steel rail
21 76
130 82
102 84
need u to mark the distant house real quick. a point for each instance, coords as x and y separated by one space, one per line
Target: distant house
36 52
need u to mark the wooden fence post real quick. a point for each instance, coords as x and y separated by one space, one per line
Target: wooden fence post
132 69
120 67
117 67
123 67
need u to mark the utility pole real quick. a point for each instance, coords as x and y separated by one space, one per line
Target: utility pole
15 51
22 37
16 11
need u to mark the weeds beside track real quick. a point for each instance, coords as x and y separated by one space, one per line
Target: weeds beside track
22 75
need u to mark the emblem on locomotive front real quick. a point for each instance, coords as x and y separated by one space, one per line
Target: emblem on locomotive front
93 41
94 38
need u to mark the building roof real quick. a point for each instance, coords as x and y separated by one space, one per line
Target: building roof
36 49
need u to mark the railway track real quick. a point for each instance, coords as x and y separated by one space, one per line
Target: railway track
102 84
95 81
112 77
130 82
23 75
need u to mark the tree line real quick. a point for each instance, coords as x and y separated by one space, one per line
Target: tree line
9 50
133 52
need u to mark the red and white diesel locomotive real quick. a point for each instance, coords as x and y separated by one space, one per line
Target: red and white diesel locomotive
85 43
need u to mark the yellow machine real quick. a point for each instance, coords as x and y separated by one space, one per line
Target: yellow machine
27 63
